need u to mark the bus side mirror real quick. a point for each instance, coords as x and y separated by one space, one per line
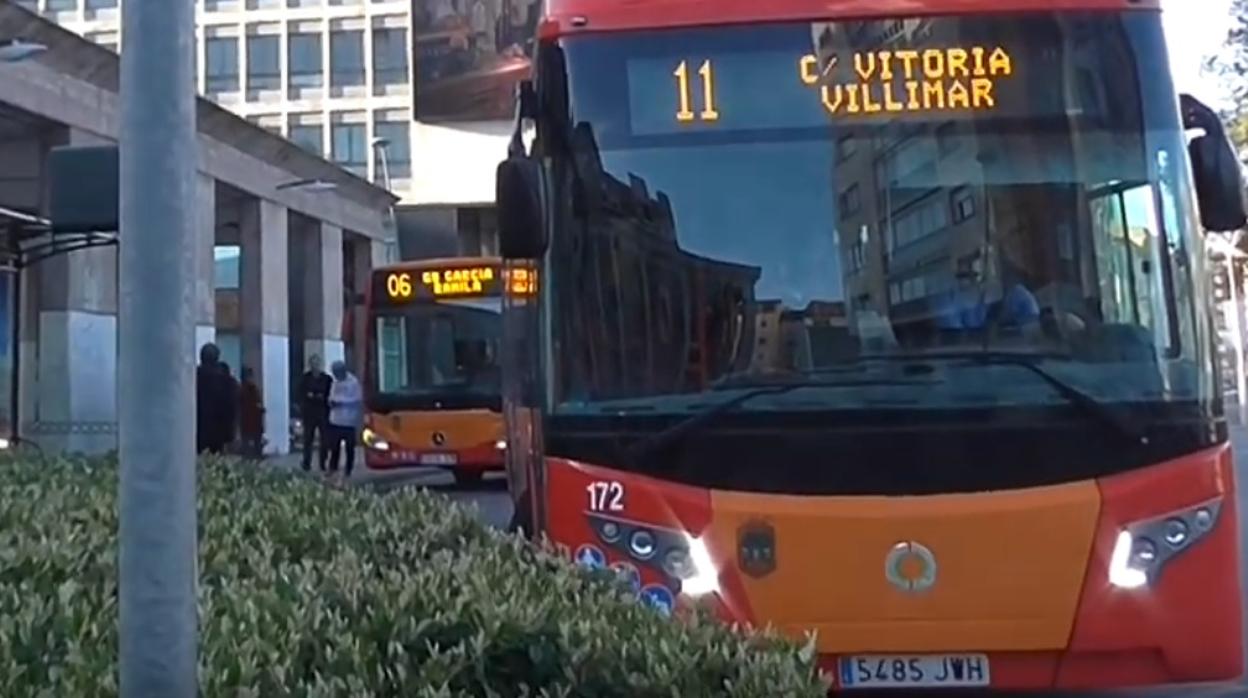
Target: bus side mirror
521 233
1216 168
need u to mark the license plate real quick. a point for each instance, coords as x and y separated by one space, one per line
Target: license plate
438 459
916 671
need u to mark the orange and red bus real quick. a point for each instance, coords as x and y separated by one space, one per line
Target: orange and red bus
432 388
885 321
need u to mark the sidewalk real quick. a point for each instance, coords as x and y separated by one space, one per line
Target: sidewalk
361 476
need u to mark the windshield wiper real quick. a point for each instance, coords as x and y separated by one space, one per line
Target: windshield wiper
1121 425
673 434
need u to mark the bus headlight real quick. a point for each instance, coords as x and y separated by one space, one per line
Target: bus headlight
676 554
500 445
1143 548
373 441
693 566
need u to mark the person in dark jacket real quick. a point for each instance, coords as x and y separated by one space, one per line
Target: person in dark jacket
250 415
314 412
215 402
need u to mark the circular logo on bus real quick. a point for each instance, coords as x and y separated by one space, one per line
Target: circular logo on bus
439 438
659 598
591 557
629 574
911 567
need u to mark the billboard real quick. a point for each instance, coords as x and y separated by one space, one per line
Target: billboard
468 56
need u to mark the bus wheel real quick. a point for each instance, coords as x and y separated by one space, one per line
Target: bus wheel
468 477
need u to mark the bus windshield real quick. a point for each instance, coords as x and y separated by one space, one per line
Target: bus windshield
797 199
438 354
862 208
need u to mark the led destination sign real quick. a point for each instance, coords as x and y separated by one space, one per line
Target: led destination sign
467 281
911 81
780 77
797 90
399 286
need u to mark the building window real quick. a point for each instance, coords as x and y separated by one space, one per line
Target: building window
918 222
947 137
390 56
305 60
62 5
851 203
269 122
930 282
222 59
101 4
264 63
478 231
397 151
350 147
309 137
106 39
346 58
963 204
857 257
846 147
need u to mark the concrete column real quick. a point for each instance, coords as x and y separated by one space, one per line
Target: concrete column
367 254
28 370
322 292
264 235
205 266
35 194
74 388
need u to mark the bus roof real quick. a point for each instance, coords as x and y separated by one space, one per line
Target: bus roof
439 263
578 16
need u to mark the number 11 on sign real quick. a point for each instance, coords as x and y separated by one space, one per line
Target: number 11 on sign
685 92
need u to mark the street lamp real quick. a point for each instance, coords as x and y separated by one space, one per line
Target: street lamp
17 50
307 185
382 145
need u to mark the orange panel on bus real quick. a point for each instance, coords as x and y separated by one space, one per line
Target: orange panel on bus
1010 566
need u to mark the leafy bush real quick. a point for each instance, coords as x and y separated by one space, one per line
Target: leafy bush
310 591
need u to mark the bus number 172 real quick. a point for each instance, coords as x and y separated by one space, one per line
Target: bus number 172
605 496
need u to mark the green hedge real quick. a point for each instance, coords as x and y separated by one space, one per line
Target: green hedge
310 591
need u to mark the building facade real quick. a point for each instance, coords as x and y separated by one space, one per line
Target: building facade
412 94
288 257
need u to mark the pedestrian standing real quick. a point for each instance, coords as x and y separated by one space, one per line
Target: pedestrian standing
346 416
229 398
250 415
314 412
215 402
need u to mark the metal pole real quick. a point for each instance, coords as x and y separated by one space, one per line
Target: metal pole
392 220
1237 334
15 370
156 366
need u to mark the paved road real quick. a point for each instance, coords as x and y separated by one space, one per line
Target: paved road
491 500
489 497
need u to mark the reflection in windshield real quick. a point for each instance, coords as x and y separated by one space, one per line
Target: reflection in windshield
443 348
776 248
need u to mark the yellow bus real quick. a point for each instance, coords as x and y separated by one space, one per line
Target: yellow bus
432 383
